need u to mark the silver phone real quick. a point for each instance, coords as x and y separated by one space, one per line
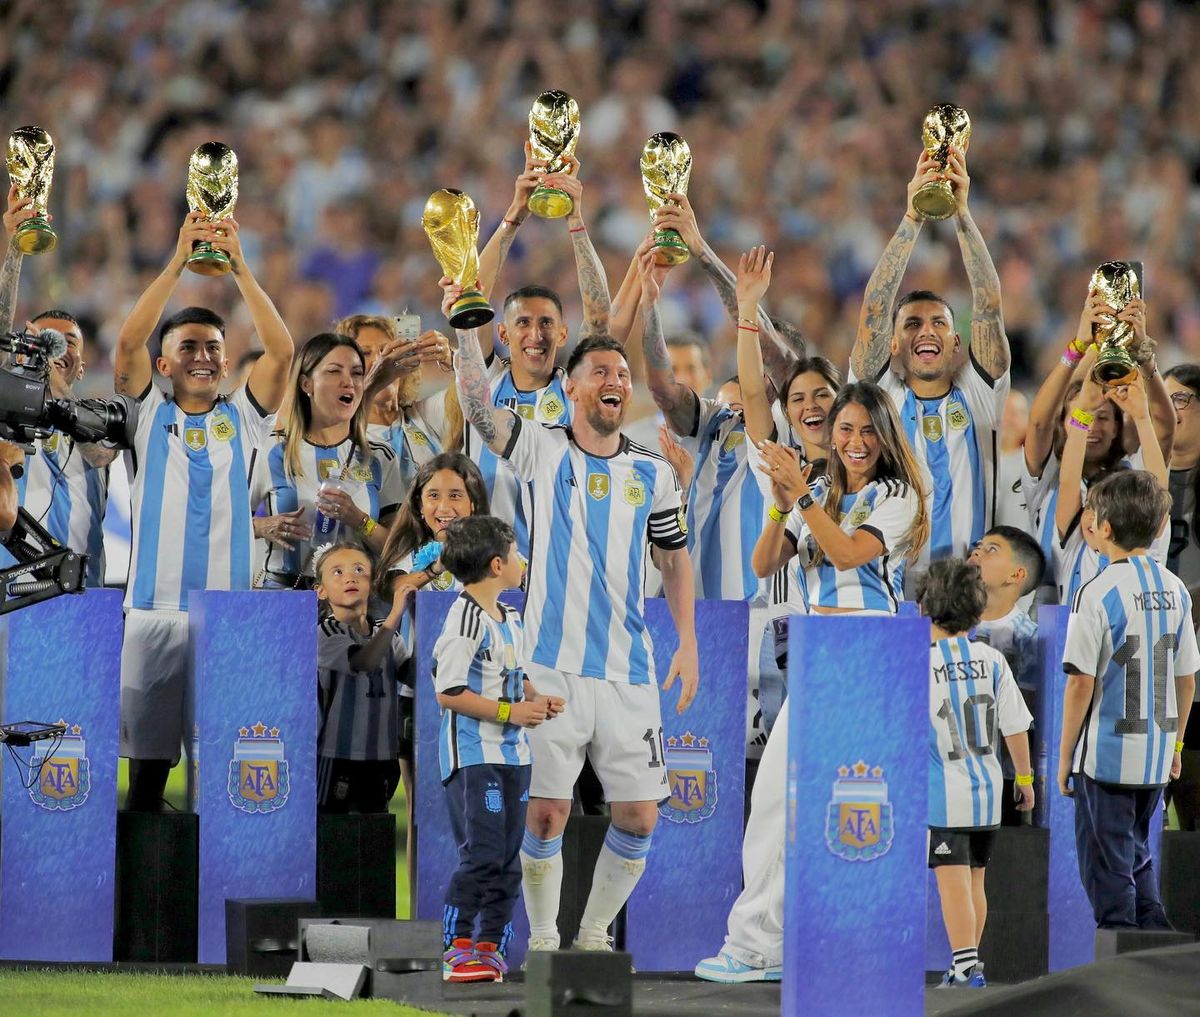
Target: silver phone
408 327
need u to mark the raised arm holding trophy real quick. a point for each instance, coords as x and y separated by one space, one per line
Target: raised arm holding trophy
946 126
31 167
212 188
1117 284
553 135
451 222
666 167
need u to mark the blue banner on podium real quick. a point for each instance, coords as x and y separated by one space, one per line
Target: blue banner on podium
254 655
858 806
699 829
60 805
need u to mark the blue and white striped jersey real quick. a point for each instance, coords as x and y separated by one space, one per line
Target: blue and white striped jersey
1131 629
885 508
373 482
417 436
191 498
359 710
955 437
973 701
68 497
593 519
487 657
547 405
1015 636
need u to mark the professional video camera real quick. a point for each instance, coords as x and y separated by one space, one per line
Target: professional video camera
44 567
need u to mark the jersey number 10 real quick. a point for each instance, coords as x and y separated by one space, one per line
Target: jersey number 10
979 742
1133 722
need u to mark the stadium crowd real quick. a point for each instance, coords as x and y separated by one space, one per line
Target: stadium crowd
863 449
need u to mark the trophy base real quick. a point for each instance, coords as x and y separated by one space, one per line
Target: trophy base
471 310
669 248
35 236
550 203
207 260
935 201
1114 369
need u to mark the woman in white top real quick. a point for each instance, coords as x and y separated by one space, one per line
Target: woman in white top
318 475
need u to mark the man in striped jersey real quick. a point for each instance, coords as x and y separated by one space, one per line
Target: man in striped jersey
534 331
192 452
599 502
973 700
64 485
949 404
1131 659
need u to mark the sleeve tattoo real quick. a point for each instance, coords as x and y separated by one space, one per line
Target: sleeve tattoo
593 286
676 401
475 394
872 345
989 344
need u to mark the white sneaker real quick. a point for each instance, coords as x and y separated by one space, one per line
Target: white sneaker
594 942
542 943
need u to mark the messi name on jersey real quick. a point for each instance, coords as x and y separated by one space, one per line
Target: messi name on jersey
858 824
258 771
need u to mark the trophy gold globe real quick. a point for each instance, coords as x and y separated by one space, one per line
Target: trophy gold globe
553 135
212 188
666 168
1117 284
30 168
944 126
451 222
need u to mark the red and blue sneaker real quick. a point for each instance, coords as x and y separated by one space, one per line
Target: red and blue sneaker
459 964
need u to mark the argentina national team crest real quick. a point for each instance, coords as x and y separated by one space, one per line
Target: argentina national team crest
258 771
858 823
692 780
59 772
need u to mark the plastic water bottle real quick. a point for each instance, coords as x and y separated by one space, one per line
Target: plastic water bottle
326 529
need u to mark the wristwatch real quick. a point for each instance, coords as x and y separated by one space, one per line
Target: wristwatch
806 502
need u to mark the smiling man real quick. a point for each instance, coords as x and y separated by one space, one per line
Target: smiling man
950 405
192 452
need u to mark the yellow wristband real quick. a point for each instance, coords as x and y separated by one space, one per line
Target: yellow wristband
367 527
1179 746
776 515
1024 780
1085 418
503 712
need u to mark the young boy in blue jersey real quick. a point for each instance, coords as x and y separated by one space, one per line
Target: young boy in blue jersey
1011 564
973 699
486 702
1131 659
358 684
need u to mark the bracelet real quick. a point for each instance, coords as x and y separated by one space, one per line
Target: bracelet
510 222
776 515
367 527
747 328
747 321
576 229
1071 356
1081 419
1024 780
1179 746
503 712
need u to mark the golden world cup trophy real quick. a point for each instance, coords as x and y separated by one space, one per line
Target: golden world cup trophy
212 188
666 167
451 222
1117 284
30 167
553 135
944 125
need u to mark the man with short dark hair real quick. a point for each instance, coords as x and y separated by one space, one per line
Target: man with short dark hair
192 452
949 404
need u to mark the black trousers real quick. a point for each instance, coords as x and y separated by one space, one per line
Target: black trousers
487 804
355 785
1112 840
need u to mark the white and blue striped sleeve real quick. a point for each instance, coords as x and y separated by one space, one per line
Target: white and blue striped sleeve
456 647
1012 714
1084 645
391 484
892 517
530 444
1187 653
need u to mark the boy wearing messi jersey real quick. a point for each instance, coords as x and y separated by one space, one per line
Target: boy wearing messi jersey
190 459
487 701
1131 659
973 699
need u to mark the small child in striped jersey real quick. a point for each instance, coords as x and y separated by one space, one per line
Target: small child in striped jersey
973 700
487 702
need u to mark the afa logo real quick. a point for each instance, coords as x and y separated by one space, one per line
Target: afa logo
860 515
222 428
956 415
493 799
734 439
258 771
635 492
692 780
417 436
858 825
60 777
551 408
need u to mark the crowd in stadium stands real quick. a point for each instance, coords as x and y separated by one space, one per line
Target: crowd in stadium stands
864 442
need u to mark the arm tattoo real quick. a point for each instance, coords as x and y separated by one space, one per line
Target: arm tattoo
593 286
723 280
677 402
475 394
10 275
989 344
872 345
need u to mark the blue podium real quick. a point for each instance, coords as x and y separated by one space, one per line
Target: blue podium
58 845
858 802
698 839
254 750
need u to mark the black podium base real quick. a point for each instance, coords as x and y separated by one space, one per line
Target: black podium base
156 887
356 865
262 936
1179 879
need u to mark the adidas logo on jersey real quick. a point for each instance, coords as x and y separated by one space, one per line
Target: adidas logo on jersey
942 849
